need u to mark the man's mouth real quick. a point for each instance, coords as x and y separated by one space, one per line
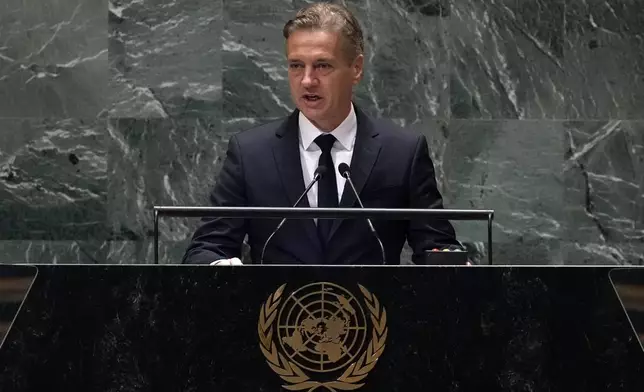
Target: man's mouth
311 97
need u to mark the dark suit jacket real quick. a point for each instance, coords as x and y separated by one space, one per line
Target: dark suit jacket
390 167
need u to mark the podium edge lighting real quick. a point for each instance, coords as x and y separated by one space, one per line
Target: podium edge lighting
320 213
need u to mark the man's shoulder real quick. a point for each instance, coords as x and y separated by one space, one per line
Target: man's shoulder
260 132
392 132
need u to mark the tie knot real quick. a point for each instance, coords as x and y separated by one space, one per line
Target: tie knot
325 142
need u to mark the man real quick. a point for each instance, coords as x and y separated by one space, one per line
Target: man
270 165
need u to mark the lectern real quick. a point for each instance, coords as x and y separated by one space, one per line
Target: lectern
285 213
303 328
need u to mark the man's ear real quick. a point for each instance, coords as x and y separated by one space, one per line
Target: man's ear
358 67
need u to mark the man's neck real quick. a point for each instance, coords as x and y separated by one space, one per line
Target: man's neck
329 126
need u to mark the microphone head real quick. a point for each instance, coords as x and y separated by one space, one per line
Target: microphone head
320 171
344 169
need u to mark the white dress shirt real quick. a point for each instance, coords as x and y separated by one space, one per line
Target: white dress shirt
310 152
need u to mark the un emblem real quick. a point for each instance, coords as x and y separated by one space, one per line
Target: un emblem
319 336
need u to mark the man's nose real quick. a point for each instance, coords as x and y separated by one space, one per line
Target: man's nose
309 78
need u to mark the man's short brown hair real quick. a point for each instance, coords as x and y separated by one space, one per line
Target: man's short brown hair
333 18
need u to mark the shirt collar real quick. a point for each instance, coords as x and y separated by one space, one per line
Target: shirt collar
345 133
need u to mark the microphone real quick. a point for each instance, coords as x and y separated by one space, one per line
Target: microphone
345 172
319 172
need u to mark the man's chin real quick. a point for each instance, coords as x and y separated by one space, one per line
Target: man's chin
313 114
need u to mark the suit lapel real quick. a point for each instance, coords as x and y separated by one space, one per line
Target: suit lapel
286 152
365 153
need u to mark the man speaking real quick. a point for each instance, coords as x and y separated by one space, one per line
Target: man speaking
272 165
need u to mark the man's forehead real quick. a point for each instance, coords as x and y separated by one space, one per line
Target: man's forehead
310 57
315 38
316 45
311 53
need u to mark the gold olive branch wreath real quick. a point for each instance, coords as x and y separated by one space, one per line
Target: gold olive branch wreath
292 374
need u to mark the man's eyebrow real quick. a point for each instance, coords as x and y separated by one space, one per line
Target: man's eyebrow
319 60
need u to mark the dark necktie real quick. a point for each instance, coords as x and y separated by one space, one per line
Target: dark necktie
327 187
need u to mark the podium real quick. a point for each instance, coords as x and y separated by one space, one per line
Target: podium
284 213
303 328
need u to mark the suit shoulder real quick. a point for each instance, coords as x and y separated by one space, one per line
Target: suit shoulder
394 133
259 134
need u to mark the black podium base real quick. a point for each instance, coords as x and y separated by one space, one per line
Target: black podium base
266 328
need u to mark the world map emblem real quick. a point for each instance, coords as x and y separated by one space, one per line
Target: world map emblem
322 336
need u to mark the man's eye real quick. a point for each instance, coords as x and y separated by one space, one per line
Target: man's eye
323 66
294 66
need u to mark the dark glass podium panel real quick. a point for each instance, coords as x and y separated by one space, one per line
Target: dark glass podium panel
629 285
266 328
15 282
